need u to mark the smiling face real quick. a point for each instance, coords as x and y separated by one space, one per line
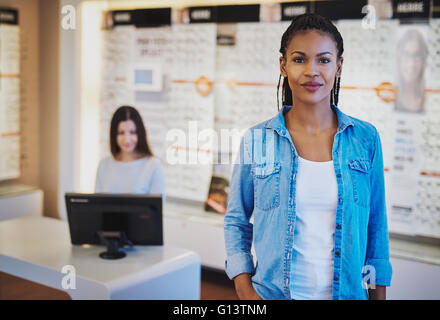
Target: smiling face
311 65
127 137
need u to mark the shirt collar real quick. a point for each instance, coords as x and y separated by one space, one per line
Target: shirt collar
277 123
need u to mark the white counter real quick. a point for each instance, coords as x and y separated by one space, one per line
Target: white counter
38 248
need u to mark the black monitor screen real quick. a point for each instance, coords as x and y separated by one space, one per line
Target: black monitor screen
138 216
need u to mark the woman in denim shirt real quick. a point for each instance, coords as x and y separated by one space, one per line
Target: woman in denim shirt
312 180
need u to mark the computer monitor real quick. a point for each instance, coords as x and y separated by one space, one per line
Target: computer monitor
114 220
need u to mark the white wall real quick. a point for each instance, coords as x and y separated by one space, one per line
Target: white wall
69 107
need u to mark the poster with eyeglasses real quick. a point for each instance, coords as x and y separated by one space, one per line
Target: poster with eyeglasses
409 112
9 96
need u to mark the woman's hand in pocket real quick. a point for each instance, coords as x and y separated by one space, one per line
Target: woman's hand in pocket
244 288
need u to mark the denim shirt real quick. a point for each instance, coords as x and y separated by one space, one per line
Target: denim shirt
263 185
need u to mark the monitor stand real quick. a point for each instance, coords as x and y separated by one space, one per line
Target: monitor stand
114 241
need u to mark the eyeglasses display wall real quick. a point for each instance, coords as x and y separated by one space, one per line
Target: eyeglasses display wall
187 77
166 72
9 94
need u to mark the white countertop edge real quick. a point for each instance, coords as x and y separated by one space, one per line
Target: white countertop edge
183 260
52 278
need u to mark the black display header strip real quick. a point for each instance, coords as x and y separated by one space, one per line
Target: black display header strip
238 13
225 14
289 10
142 18
8 16
152 17
341 9
411 9
436 9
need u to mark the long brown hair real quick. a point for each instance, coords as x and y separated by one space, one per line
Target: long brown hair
125 113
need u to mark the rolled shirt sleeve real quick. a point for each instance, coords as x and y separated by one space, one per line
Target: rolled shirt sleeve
237 228
378 241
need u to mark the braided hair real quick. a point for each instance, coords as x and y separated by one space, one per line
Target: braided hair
309 21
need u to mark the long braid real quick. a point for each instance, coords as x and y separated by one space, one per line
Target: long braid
287 93
278 93
336 90
332 94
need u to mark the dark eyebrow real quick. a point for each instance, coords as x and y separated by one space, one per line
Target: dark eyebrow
303 54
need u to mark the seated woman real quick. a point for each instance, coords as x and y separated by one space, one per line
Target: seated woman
132 168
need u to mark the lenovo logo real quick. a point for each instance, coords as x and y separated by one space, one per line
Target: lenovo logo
79 200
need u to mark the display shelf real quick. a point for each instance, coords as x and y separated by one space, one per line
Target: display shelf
414 251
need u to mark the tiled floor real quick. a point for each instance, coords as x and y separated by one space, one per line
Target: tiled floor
215 286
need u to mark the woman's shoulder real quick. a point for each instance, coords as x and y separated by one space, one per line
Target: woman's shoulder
366 133
104 166
105 161
152 162
150 166
363 128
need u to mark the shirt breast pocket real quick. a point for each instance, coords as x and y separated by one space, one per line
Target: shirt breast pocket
266 185
360 177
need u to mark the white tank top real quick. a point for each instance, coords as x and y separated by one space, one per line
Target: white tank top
313 245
